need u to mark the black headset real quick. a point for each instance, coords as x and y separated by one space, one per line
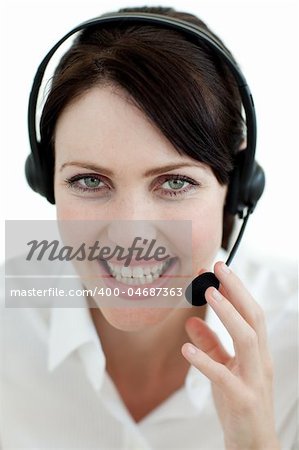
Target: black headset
247 180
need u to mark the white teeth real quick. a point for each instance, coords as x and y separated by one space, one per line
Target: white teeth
126 272
137 275
137 272
147 271
149 278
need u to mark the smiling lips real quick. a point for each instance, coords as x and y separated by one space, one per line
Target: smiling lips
137 275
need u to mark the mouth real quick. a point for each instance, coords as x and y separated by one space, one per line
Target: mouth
140 274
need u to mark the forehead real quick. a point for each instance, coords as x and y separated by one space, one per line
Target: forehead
105 124
106 116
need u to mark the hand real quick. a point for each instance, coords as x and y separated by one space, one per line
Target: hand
241 384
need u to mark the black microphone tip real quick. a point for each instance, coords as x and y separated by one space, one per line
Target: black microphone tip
195 292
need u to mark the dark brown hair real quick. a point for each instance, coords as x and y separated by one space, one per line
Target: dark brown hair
183 88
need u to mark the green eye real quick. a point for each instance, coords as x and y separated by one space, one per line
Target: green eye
91 182
176 184
88 183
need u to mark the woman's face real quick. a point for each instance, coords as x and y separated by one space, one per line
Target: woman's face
111 166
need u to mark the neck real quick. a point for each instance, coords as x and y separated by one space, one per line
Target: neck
148 350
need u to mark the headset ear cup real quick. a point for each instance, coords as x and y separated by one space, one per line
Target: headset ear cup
256 185
235 203
38 180
31 173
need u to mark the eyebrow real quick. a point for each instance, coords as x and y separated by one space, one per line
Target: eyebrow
148 173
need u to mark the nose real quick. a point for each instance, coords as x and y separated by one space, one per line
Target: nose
124 232
132 216
133 203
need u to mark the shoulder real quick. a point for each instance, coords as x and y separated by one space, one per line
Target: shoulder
274 285
15 285
273 282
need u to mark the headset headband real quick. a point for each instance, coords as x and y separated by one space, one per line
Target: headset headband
194 33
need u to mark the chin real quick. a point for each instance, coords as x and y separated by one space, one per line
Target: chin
135 319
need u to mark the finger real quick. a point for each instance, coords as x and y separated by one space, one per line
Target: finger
244 337
207 340
234 290
215 371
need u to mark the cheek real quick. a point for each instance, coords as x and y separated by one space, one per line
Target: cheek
67 207
66 211
207 228
63 202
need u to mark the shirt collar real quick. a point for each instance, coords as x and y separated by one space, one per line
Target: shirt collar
72 329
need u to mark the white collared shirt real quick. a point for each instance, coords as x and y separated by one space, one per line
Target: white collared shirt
56 394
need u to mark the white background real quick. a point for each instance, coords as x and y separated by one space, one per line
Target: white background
263 37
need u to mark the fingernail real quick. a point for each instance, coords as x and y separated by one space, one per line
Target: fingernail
216 295
191 349
224 268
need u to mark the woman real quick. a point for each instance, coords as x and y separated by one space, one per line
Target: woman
125 101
